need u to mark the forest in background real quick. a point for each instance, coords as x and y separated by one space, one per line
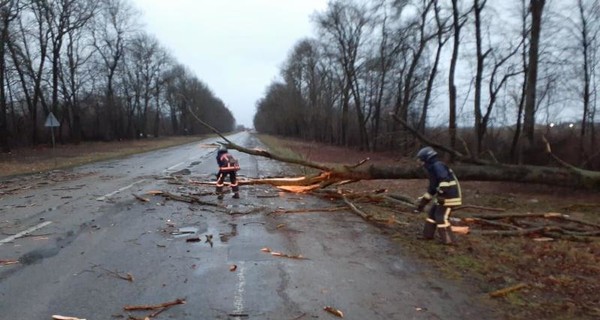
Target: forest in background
489 78
91 64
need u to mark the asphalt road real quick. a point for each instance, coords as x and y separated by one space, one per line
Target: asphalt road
87 248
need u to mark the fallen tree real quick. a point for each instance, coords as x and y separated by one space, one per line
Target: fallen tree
465 171
468 168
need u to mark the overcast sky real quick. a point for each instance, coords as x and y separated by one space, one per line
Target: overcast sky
236 47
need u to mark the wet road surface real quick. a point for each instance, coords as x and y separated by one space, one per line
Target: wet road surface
87 248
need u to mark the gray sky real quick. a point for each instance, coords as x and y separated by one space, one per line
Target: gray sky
236 47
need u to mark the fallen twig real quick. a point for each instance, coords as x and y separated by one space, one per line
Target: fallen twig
283 255
493 223
356 210
128 276
334 311
155 306
140 198
8 262
188 199
505 291
466 207
282 211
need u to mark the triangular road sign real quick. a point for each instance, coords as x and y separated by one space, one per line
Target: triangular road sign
51 121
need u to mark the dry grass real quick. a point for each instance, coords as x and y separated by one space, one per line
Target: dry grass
44 158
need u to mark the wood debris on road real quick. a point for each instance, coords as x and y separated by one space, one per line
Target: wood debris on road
6 262
334 311
158 307
59 317
127 276
140 198
283 255
283 211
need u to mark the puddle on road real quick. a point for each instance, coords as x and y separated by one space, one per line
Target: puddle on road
40 254
208 235
226 236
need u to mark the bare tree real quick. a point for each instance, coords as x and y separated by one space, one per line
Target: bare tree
478 6
343 26
423 36
74 75
64 17
586 33
500 57
9 11
458 21
30 63
442 38
145 61
536 8
115 25
519 98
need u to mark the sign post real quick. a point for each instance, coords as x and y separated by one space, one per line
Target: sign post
52 122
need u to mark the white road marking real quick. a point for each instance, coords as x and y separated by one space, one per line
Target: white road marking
175 166
119 190
238 300
22 233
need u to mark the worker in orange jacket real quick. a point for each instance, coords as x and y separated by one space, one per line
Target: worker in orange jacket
228 165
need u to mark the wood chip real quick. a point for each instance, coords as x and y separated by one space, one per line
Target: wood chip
334 311
460 229
8 262
59 317
140 198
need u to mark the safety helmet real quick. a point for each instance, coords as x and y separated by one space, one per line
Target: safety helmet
222 149
426 153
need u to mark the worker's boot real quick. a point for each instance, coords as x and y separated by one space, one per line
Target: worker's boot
446 235
428 231
236 191
220 193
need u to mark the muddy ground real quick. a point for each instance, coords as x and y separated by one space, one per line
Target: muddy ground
558 277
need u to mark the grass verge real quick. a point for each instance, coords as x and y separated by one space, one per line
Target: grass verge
560 276
45 158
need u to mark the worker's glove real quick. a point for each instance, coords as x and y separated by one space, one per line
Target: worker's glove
422 201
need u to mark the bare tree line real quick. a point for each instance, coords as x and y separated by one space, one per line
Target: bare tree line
90 63
486 77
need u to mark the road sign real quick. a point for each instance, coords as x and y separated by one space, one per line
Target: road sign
51 121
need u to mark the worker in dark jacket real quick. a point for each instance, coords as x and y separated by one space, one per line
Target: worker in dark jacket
228 165
444 186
